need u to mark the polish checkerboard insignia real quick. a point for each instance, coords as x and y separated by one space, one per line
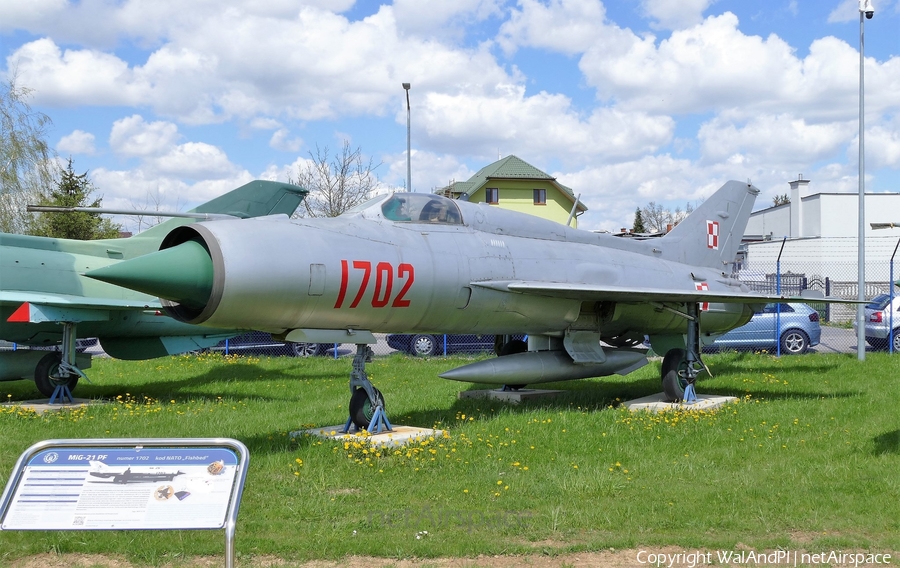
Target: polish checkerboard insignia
712 235
704 306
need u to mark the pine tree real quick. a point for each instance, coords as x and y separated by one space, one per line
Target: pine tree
638 222
74 190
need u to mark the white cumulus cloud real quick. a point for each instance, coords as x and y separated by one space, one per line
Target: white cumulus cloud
133 136
77 142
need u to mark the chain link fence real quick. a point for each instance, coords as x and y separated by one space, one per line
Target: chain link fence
420 344
831 267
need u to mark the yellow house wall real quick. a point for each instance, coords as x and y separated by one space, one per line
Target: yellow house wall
519 196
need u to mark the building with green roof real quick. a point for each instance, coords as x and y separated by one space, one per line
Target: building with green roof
512 183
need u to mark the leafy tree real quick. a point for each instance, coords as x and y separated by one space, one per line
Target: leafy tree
73 190
27 163
783 199
336 183
638 222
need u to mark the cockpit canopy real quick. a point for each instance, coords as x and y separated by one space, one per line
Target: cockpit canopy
421 208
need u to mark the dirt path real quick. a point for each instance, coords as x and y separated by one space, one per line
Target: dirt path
605 559
670 557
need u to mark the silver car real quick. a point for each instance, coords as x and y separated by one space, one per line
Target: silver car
879 331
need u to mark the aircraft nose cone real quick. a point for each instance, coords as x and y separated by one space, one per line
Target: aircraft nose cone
183 274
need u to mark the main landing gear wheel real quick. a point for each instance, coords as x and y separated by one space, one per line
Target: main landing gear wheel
48 375
680 367
511 348
362 411
677 374
366 402
673 370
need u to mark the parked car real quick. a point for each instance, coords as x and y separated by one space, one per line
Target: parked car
426 344
800 330
261 343
878 322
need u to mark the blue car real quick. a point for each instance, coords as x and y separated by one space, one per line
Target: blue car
261 343
799 331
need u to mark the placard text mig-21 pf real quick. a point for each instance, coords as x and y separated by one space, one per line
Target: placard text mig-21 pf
412 262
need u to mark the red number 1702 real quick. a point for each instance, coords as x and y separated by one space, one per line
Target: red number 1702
384 282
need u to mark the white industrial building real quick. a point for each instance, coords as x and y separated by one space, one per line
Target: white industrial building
816 237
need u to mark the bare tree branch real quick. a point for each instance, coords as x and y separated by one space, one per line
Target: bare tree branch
656 217
336 183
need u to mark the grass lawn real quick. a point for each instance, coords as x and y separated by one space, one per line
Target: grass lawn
809 458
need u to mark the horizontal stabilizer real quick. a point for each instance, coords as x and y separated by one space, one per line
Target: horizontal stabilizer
37 313
19 298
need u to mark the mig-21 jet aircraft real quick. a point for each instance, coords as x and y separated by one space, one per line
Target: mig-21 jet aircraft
413 262
45 300
146 475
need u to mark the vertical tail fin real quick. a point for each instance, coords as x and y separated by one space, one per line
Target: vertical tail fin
711 234
255 199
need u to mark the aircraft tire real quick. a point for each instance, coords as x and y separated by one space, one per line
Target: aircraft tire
45 375
361 409
673 384
512 347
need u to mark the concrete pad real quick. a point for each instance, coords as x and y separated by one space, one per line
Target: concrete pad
514 397
657 403
399 436
40 406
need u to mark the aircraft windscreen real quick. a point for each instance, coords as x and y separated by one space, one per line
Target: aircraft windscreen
421 208
365 204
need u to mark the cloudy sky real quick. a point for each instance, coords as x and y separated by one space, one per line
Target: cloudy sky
171 102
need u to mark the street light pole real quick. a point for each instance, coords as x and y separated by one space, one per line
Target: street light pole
865 9
408 166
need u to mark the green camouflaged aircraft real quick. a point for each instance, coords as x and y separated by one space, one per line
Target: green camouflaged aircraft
45 301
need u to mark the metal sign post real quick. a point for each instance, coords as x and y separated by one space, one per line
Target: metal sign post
129 483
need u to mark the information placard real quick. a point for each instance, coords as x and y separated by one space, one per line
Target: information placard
130 483
124 488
